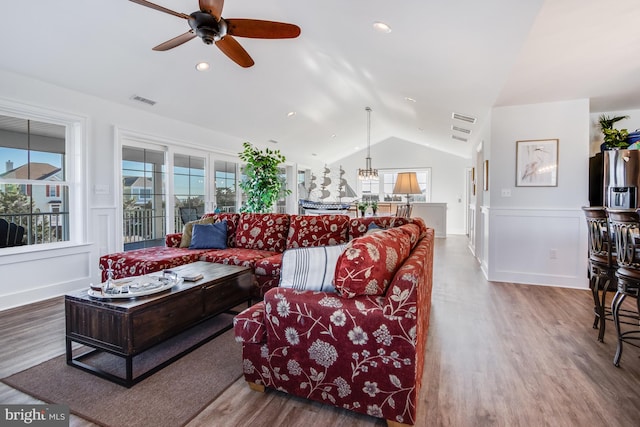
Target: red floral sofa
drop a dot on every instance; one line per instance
(361, 348)
(253, 240)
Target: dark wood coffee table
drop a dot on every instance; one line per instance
(128, 327)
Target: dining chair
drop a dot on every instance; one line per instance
(402, 211)
(188, 215)
(625, 227)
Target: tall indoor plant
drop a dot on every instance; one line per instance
(262, 183)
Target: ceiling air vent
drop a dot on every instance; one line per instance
(459, 129)
(143, 100)
(459, 138)
(464, 118)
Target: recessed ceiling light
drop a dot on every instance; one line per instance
(291, 113)
(273, 141)
(202, 66)
(381, 27)
(333, 135)
(409, 99)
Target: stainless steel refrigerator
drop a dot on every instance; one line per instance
(621, 178)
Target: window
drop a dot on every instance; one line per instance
(281, 203)
(143, 197)
(33, 175)
(189, 183)
(381, 190)
(226, 179)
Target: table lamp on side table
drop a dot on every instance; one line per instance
(407, 183)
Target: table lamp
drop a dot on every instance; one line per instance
(407, 183)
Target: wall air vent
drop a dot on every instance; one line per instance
(459, 138)
(464, 118)
(459, 129)
(143, 100)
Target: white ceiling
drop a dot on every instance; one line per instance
(463, 56)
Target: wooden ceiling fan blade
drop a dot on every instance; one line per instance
(258, 29)
(230, 47)
(213, 7)
(160, 8)
(176, 41)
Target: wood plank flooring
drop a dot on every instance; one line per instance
(498, 354)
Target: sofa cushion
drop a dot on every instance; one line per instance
(359, 226)
(236, 256)
(266, 232)
(310, 269)
(317, 230)
(413, 231)
(209, 236)
(147, 260)
(269, 266)
(187, 230)
(212, 218)
(368, 264)
(172, 240)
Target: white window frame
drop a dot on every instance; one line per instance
(75, 170)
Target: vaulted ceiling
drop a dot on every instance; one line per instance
(441, 57)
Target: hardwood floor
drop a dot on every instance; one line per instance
(498, 354)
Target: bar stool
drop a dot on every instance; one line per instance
(625, 224)
(602, 264)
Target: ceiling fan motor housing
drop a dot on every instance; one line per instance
(207, 27)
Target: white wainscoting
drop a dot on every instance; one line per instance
(538, 246)
(37, 275)
(30, 275)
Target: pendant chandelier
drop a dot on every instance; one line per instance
(368, 173)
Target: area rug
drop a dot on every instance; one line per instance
(171, 397)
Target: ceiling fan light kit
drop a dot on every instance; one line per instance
(208, 24)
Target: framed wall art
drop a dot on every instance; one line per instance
(537, 163)
(485, 171)
(473, 180)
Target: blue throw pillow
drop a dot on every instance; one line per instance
(374, 228)
(209, 236)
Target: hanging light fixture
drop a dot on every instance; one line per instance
(368, 172)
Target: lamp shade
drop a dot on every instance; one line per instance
(407, 183)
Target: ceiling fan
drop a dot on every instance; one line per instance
(208, 24)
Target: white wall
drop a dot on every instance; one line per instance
(29, 275)
(447, 173)
(538, 234)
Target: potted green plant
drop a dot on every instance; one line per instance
(374, 207)
(362, 207)
(613, 138)
(262, 184)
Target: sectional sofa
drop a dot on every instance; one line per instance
(253, 240)
(359, 346)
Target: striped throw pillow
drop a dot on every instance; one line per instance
(310, 268)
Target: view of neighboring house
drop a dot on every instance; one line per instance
(46, 198)
(139, 188)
